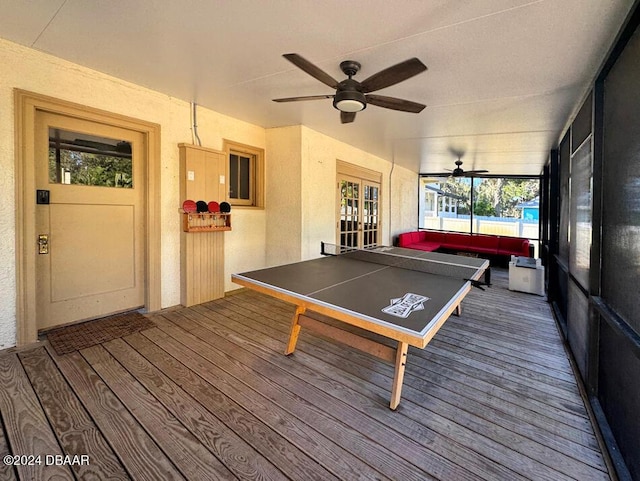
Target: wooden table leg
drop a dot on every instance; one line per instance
(295, 331)
(401, 361)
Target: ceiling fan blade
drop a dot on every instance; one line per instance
(476, 171)
(393, 75)
(394, 103)
(311, 69)
(347, 117)
(309, 97)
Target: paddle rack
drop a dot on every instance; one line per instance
(205, 222)
(202, 177)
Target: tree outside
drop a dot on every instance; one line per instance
(495, 197)
(84, 168)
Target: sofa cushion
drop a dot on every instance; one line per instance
(404, 239)
(485, 244)
(513, 246)
(434, 236)
(426, 246)
(427, 240)
(417, 236)
(457, 241)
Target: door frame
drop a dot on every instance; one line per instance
(362, 174)
(26, 105)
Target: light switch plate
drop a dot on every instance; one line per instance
(191, 175)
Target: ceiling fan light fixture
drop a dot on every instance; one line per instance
(349, 101)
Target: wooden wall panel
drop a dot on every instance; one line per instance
(201, 253)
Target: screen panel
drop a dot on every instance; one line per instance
(563, 230)
(621, 186)
(619, 396)
(580, 216)
(618, 363)
(581, 126)
(578, 326)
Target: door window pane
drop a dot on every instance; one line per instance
(80, 159)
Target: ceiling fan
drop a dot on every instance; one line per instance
(459, 172)
(352, 96)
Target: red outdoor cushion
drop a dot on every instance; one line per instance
(457, 241)
(416, 237)
(484, 244)
(513, 246)
(434, 236)
(426, 246)
(404, 239)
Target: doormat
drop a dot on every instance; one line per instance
(90, 333)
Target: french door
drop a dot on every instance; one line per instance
(358, 223)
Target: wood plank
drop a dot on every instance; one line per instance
(332, 456)
(206, 421)
(217, 372)
(7, 471)
(450, 387)
(553, 366)
(520, 372)
(501, 376)
(74, 428)
(272, 382)
(185, 451)
(258, 317)
(476, 383)
(523, 454)
(139, 454)
(28, 432)
(375, 407)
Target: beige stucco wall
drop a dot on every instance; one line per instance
(319, 156)
(34, 71)
(300, 179)
(284, 186)
(304, 161)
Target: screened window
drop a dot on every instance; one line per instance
(498, 206)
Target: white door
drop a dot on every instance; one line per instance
(89, 220)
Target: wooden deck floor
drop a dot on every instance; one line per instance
(208, 394)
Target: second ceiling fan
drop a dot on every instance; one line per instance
(458, 171)
(352, 96)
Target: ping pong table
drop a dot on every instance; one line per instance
(402, 294)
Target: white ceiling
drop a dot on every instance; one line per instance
(504, 75)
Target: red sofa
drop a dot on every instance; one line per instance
(427, 240)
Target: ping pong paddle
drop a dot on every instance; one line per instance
(225, 207)
(189, 206)
(213, 206)
(202, 207)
